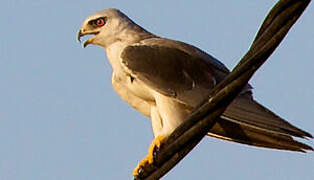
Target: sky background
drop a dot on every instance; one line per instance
(61, 120)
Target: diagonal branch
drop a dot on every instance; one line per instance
(276, 25)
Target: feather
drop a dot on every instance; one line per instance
(246, 121)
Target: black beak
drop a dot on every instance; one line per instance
(83, 33)
(79, 35)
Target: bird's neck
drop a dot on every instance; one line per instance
(127, 34)
(134, 34)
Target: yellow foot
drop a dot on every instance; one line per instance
(149, 159)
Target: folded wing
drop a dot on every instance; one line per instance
(187, 74)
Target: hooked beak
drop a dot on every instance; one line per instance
(82, 33)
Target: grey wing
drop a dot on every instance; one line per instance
(187, 77)
(189, 49)
(170, 71)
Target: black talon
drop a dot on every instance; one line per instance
(140, 171)
(139, 175)
(155, 152)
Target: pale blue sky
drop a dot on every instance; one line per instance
(61, 120)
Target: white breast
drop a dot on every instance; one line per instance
(133, 92)
(165, 113)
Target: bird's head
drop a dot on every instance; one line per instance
(106, 26)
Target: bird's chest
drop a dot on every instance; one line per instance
(124, 83)
(131, 85)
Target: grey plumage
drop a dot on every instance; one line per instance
(166, 79)
(244, 121)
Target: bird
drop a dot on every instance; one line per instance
(166, 80)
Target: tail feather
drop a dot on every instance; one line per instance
(246, 121)
(244, 110)
(231, 131)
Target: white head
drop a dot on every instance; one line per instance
(109, 26)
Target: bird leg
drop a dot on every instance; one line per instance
(148, 161)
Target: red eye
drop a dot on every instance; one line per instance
(100, 22)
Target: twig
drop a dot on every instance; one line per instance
(276, 25)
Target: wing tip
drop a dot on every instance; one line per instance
(258, 137)
(306, 149)
(298, 133)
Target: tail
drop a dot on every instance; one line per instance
(246, 121)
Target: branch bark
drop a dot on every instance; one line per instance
(274, 28)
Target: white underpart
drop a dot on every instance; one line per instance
(171, 112)
(156, 120)
(165, 113)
